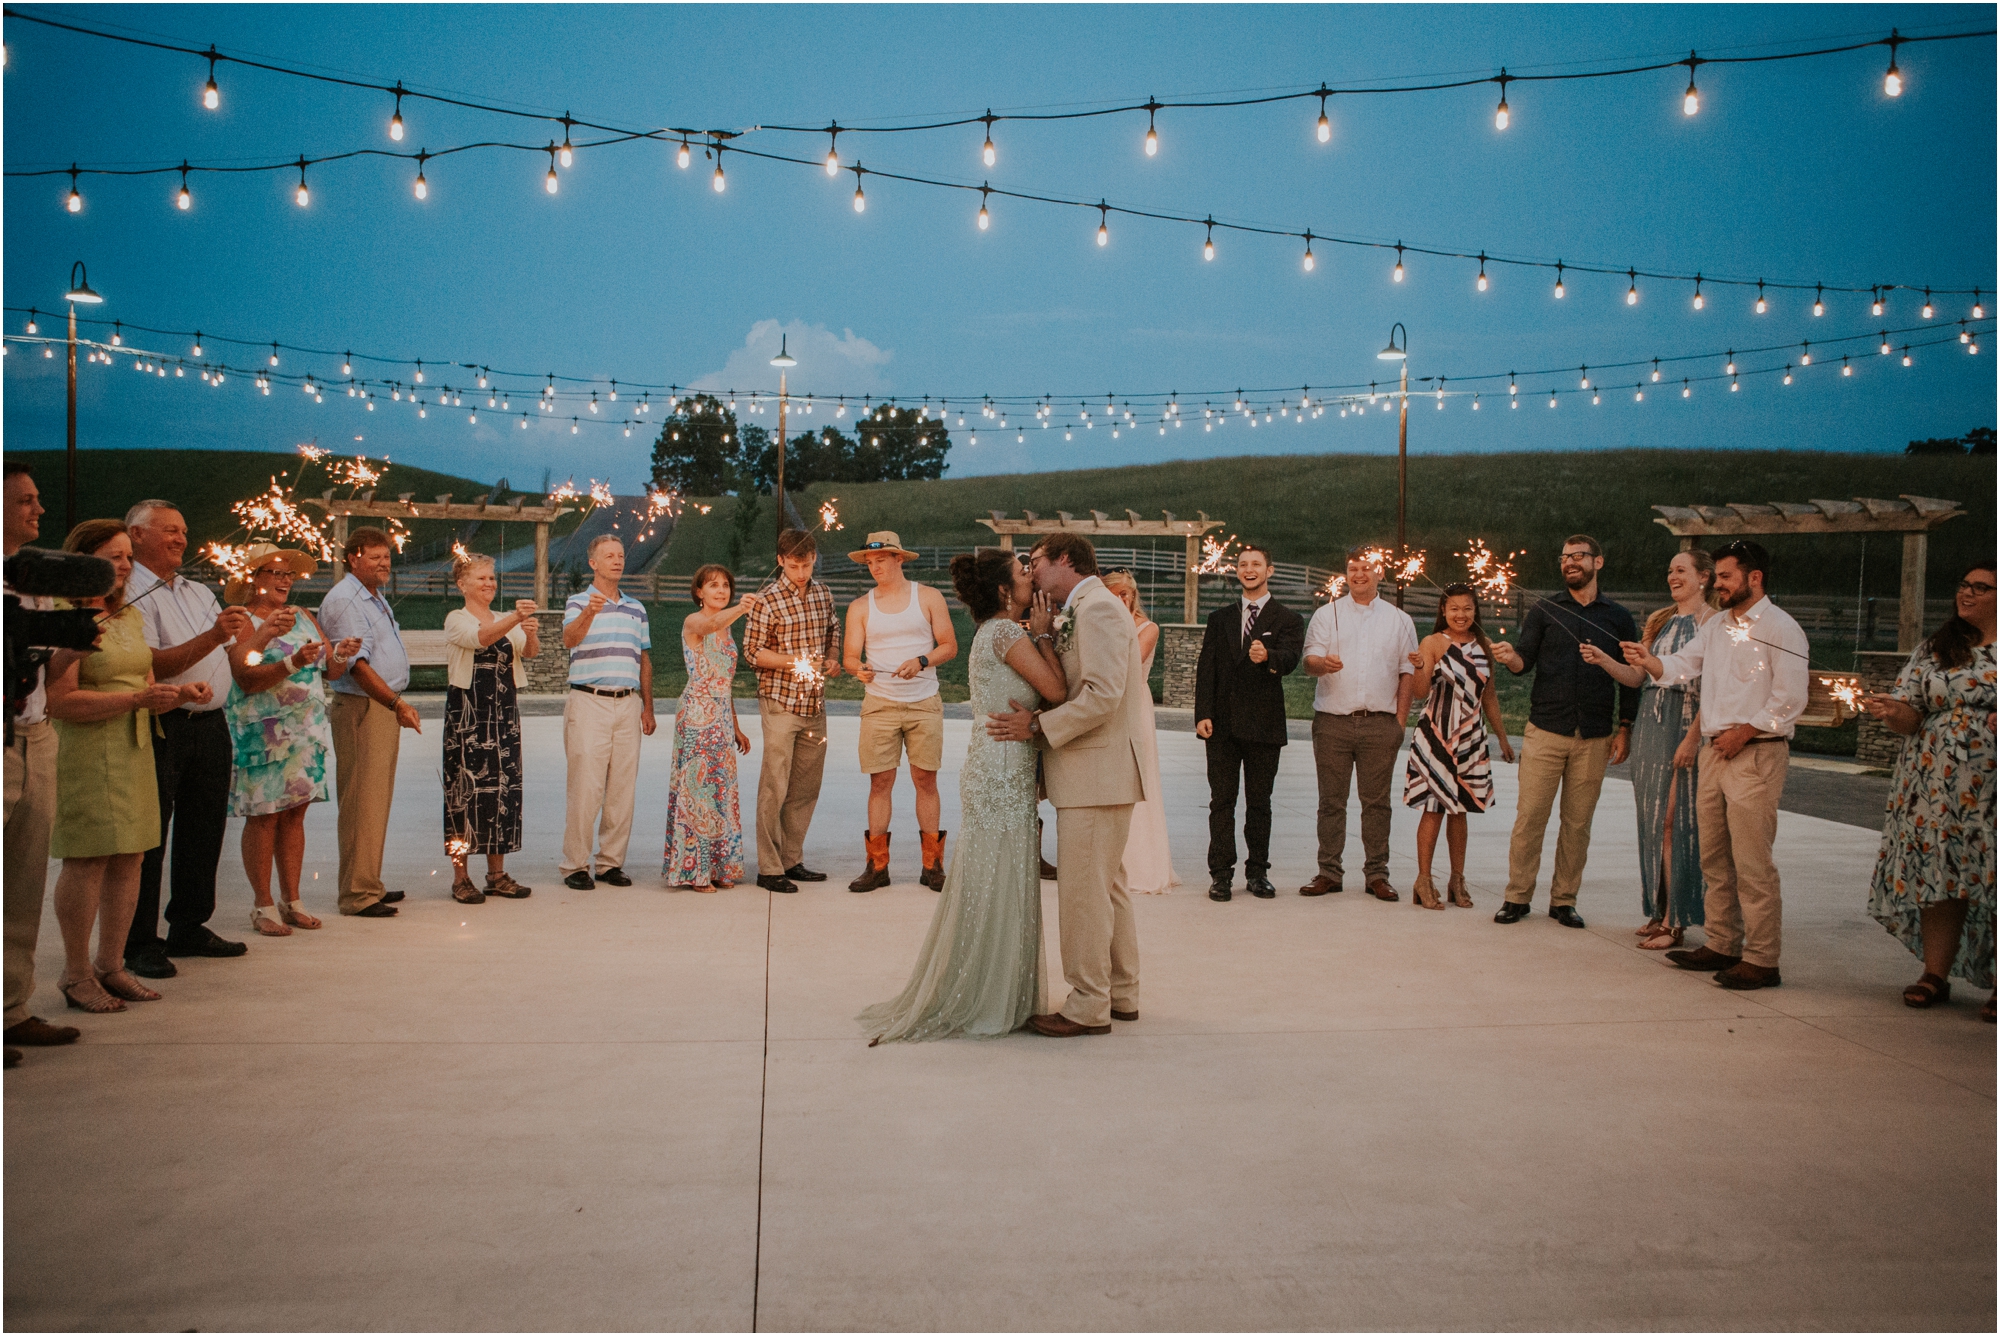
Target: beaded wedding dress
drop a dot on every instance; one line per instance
(979, 972)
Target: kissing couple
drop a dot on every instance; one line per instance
(1058, 677)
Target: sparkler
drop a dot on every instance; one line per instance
(806, 671)
(1410, 569)
(600, 493)
(1739, 632)
(1218, 558)
(459, 552)
(456, 849)
(1490, 576)
(1846, 690)
(356, 472)
(829, 518)
(313, 453)
(566, 492)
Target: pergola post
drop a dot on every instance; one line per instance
(542, 565)
(1191, 589)
(1910, 604)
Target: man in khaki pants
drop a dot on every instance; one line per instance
(610, 708)
(1753, 669)
(1098, 751)
(1571, 734)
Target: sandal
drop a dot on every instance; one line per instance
(121, 982)
(1986, 1012)
(504, 886)
(466, 893)
(1455, 888)
(267, 920)
(296, 916)
(101, 1004)
(1652, 928)
(1927, 991)
(1424, 892)
(1662, 938)
(704, 887)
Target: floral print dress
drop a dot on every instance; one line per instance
(281, 734)
(1937, 843)
(704, 822)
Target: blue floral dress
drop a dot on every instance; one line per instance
(1670, 883)
(704, 822)
(281, 734)
(1937, 843)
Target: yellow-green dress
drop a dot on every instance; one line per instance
(107, 801)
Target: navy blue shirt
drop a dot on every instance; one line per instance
(1570, 696)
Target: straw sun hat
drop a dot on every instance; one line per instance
(883, 540)
(258, 556)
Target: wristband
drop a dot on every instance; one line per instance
(923, 661)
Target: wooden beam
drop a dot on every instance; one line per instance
(1869, 515)
(1910, 603)
(429, 510)
(1191, 589)
(542, 565)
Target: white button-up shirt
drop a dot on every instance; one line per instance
(1374, 641)
(175, 615)
(1752, 667)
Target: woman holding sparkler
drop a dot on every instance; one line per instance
(276, 711)
(1149, 865)
(1933, 887)
(1449, 772)
(704, 822)
(107, 799)
(484, 667)
(1666, 741)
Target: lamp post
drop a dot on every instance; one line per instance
(782, 361)
(1400, 354)
(79, 291)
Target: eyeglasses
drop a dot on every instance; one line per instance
(1974, 587)
(1569, 557)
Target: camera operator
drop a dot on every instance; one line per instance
(31, 803)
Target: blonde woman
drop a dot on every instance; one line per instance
(482, 729)
(1149, 865)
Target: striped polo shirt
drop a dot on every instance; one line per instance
(608, 656)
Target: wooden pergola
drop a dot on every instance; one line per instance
(1911, 516)
(1101, 525)
(365, 506)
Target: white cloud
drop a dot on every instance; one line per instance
(829, 363)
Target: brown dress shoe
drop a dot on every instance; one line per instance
(1059, 1026)
(1118, 1015)
(35, 1032)
(1743, 976)
(1382, 890)
(1320, 885)
(1702, 958)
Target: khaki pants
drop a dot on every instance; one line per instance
(601, 739)
(1551, 761)
(1100, 940)
(366, 738)
(1736, 810)
(31, 818)
(1362, 749)
(787, 785)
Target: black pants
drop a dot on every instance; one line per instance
(192, 764)
(1258, 764)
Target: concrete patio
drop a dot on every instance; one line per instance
(638, 1108)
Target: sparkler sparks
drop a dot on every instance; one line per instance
(806, 671)
(313, 453)
(1410, 569)
(233, 561)
(459, 551)
(1218, 558)
(1846, 690)
(457, 849)
(272, 512)
(566, 492)
(1489, 575)
(356, 472)
(829, 518)
(254, 657)
(600, 493)
(1378, 557)
(1335, 586)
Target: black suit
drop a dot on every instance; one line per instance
(1246, 703)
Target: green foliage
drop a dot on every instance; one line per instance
(742, 527)
(889, 445)
(698, 452)
(1936, 445)
(1979, 441)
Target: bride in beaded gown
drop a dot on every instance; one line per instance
(979, 972)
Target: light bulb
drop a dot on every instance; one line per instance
(1845, 369)
(1208, 249)
(1819, 307)
(986, 152)
(832, 163)
(717, 180)
(1978, 307)
(1309, 259)
(1929, 310)
(1500, 117)
(1892, 82)
(860, 201)
(1397, 272)
(1875, 308)
(565, 154)
(1733, 385)
(1973, 348)
(423, 187)
(1906, 355)
(396, 126)
(211, 96)
(1559, 289)
(1762, 305)
(1324, 129)
(183, 200)
(304, 197)
(1103, 234)
(1632, 293)
(681, 156)
(1885, 343)
(1687, 390)
(197, 348)
(75, 201)
(984, 220)
(549, 182)
(1691, 103)
(1482, 279)
(1699, 300)
(1152, 142)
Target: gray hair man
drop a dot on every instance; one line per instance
(610, 708)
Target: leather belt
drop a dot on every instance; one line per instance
(600, 691)
(1366, 714)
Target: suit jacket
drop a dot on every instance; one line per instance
(1247, 700)
(1098, 748)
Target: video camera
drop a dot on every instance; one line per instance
(32, 635)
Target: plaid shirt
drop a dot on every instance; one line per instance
(793, 623)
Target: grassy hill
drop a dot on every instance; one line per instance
(1309, 507)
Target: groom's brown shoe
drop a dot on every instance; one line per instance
(1059, 1026)
(1118, 1015)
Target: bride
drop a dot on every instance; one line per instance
(980, 970)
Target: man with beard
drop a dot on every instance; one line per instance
(1579, 720)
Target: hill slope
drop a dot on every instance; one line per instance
(1308, 508)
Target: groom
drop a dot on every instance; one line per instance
(1098, 753)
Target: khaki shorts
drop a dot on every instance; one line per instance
(889, 727)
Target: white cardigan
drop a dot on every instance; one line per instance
(461, 642)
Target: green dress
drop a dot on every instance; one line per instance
(107, 801)
(979, 972)
(281, 735)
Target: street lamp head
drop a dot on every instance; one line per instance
(79, 286)
(1396, 351)
(783, 358)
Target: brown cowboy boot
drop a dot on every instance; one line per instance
(933, 874)
(877, 872)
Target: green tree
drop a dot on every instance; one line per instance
(889, 444)
(1936, 445)
(698, 452)
(743, 526)
(1979, 441)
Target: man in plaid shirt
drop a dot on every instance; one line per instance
(794, 618)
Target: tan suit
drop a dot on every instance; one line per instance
(1099, 752)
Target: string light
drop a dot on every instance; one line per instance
(1152, 134)
(550, 183)
(1788, 373)
(1397, 273)
(681, 154)
(1482, 271)
(1845, 369)
(1819, 300)
(1208, 244)
(1691, 100)
(1559, 280)
(719, 181)
(860, 200)
(211, 96)
(984, 220)
(1929, 311)
(303, 196)
(1323, 131)
(566, 153)
(1632, 293)
(1699, 300)
(396, 119)
(183, 200)
(75, 200)
(1309, 251)
(1978, 308)
(1500, 116)
(1805, 353)
(1875, 306)
(1103, 224)
(1892, 82)
(987, 154)
(423, 188)
(1885, 343)
(1762, 306)
(1906, 355)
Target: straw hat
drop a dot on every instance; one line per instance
(883, 540)
(259, 555)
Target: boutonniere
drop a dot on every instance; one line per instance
(1065, 628)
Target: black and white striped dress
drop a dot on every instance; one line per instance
(1449, 770)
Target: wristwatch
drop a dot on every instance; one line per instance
(1034, 722)
(923, 661)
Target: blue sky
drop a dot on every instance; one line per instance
(637, 270)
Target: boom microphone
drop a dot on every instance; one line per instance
(48, 574)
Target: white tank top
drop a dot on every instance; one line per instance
(894, 638)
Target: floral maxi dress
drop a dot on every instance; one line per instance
(704, 821)
(1670, 882)
(1937, 843)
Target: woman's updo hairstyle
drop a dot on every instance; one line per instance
(984, 579)
(466, 565)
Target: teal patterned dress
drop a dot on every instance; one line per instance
(1937, 843)
(1670, 884)
(281, 734)
(979, 971)
(704, 822)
